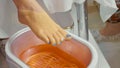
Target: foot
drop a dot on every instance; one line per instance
(110, 29)
(43, 26)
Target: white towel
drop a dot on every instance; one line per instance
(107, 7)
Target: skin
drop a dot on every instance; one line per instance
(110, 29)
(31, 13)
(113, 28)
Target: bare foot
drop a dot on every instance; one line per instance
(110, 29)
(43, 26)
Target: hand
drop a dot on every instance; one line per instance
(43, 26)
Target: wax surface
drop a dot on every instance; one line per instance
(48, 56)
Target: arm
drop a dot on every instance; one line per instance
(32, 14)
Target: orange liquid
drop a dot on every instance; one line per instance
(48, 56)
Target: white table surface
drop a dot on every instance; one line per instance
(102, 63)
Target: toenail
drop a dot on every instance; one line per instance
(68, 35)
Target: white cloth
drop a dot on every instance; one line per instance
(60, 5)
(107, 7)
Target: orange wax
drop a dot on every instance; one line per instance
(48, 56)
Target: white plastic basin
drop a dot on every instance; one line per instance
(24, 39)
